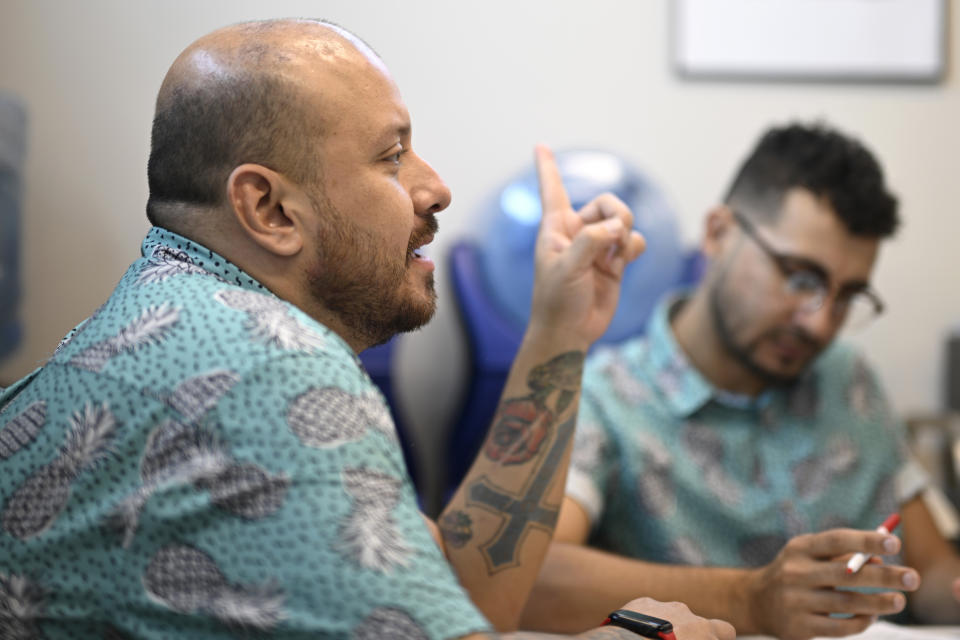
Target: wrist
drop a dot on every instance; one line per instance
(641, 624)
(606, 633)
(747, 602)
(554, 338)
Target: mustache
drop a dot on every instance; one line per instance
(431, 226)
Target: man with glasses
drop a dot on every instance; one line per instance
(739, 439)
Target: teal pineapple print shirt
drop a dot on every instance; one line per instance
(200, 459)
(671, 469)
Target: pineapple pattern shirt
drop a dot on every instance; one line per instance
(671, 469)
(200, 459)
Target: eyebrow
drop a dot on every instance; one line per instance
(855, 285)
(801, 262)
(401, 129)
(387, 139)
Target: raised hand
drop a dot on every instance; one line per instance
(793, 596)
(580, 258)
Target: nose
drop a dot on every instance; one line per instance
(428, 191)
(822, 324)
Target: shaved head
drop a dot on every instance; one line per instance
(247, 93)
(286, 147)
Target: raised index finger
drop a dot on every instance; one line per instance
(553, 196)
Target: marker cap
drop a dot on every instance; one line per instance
(891, 522)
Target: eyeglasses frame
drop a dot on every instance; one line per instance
(784, 263)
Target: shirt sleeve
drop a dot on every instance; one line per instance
(911, 480)
(309, 520)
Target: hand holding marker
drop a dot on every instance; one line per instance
(860, 559)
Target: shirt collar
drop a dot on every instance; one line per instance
(161, 245)
(164, 247)
(683, 388)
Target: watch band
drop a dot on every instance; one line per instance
(641, 624)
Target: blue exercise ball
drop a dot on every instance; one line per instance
(509, 242)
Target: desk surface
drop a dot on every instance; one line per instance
(886, 631)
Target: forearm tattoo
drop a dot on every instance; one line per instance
(456, 527)
(521, 510)
(520, 428)
(521, 425)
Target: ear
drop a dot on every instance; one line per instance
(262, 201)
(717, 230)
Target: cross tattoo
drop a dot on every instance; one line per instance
(522, 510)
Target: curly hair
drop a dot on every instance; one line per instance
(834, 167)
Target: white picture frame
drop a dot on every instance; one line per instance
(866, 40)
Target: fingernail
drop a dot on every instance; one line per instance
(911, 580)
(613, 225)
(899, 602)
(891, 545)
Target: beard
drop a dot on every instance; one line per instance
(365, 288)
(728, 315)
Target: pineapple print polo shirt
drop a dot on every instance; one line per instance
(200, 459)
(671, 469)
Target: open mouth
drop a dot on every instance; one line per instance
(417, 252)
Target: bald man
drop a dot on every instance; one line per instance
(204, 456)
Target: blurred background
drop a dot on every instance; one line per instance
(484, 82)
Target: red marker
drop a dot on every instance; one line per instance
(857, 561)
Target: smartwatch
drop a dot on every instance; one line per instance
(646, 626)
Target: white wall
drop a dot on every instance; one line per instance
(484, 81)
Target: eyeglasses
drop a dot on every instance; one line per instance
(808, 284)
